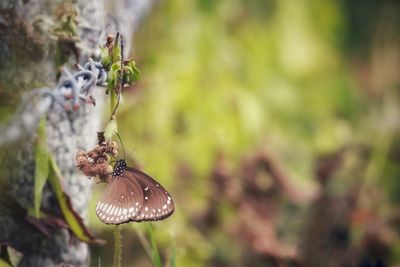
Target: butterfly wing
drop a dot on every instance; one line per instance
(157, 202)
(121, 201)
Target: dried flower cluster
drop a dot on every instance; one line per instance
(95, 162)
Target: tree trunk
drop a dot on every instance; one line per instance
(28, 59)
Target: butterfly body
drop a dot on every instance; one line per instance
(132, 195)
(119, 168)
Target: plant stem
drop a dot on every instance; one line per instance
(115, 99)
(121, 76)
(117, 246)
(113, 105)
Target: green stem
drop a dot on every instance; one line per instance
(116, 96)
(113, 103)
(117, 246)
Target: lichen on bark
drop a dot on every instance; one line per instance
(27, 61)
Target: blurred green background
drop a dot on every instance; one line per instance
(274, 125)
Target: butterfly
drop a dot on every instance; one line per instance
(133, 196)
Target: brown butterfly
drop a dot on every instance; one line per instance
(132, 195)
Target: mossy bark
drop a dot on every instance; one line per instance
(28, 60)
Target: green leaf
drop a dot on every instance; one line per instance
(111, 129)
(116, 54)
(3, 263)
(135, 76)
(105, 58)
(73, 219)
(131, 73)
(115, 68)
(155, 254)
(172, 259)
(41, 165)
(110, 87)
(113, 77)
(5, 260)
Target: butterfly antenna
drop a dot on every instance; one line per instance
(122, 145)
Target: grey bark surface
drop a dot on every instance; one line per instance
(23, 65)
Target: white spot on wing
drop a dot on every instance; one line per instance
(104, 207)
(109, 208)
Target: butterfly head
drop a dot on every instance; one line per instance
(119, 168)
